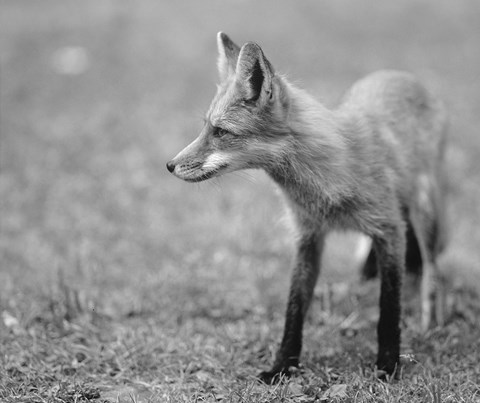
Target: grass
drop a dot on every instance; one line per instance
(121, 283)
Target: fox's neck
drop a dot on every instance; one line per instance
(313, 171)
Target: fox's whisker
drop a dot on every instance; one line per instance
(245, 176)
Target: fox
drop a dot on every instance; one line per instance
(374, 164)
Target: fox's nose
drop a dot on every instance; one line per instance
(170, 166)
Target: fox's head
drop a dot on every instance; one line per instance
(244, 126)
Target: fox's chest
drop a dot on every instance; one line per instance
(319, 204)
(313, 211)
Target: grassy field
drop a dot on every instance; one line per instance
(119, 282)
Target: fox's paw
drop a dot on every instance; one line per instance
(274, 375)
(278, 373)
(387, 368)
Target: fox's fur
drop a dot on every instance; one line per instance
(372, 165)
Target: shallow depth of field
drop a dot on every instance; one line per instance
(121, 283)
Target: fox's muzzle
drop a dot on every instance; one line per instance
(198, 161)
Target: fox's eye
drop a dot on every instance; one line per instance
(219, 132)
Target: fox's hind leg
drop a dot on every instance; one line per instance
(369, 270)
(304, 278)
(413, 258)
(427, 218)
(428, 270)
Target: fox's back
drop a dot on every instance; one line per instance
(400, 110)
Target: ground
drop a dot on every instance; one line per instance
(119, 282)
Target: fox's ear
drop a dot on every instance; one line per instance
(227, 56)
(254, 72)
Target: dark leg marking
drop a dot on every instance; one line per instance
(413, 257)
(303, 282)
(390, 251)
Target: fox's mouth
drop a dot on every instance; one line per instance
(199, 175)
(202, 177)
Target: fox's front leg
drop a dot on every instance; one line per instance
(305, 273)
(390, 251)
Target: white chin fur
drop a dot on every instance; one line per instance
(195, 175)
(215, 161)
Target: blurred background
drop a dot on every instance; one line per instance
(97, 96)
